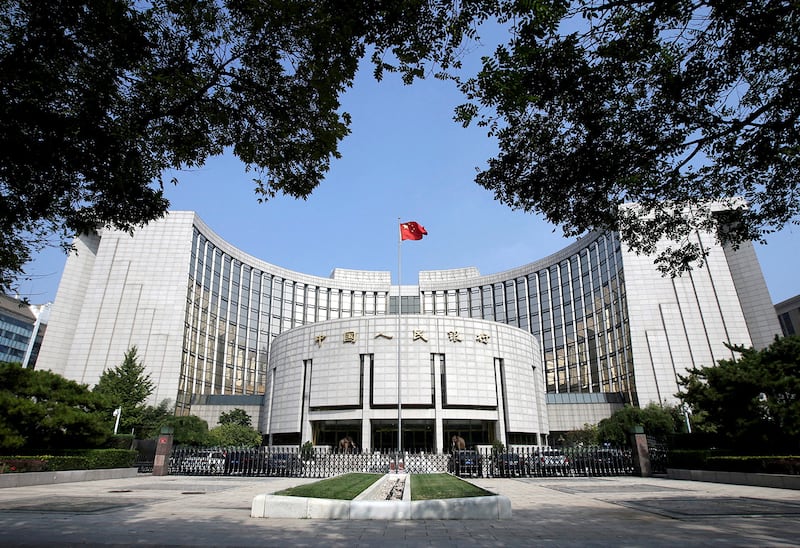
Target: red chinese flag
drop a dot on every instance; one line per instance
(412, 231)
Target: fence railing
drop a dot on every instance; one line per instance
(658, 455)
(482, 462)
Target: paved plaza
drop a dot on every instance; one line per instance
(215, 511)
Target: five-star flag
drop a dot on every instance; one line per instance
(412, 231)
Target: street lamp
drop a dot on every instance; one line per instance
(117, 413)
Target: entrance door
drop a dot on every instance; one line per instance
(330, 432)
(417, 435)
(474, 432)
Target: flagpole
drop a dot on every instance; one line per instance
(399, 312)
(406, 231)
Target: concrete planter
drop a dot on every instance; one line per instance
(278, 506)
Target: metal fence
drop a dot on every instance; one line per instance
(145, 455)
(291, 462)
(480, 462)
(658, 455)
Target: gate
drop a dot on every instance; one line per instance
(482, 462)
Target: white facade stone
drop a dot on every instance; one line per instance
(349, 368)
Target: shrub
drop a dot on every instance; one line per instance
(22, 464)
(66, 462)
(762, 465)
(119, 441)
(104, 458)
(706, 459)
(110, 458)
(89, 459)
(692, 459)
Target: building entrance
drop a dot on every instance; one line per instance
(474, 432)
(331, 432)
(417, 435)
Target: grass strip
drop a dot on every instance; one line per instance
(443, 486)
(344, 487)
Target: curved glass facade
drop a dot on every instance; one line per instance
(575, 306)
(235, 305)
(574, 302)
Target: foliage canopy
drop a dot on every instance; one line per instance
(234, 430)
(100, 98)
(658, 421)
(234, 435)
(188, 430)
(128, 386)
(751, 401)
(670, 104)
(235, 416)
(41, 411)
(579, 437)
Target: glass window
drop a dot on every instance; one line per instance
(452, 302)
(463, 302)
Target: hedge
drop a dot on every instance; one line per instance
(89, 459)
(761, 465)
(707, 459)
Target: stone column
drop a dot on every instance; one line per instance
(163, 452)
(439, 443)
(366, 411)
(641, 453)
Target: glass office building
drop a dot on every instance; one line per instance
(22, 328)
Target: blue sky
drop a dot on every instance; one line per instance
(406, 159)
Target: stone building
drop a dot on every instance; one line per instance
(542, 348)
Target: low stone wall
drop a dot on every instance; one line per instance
(27, 479)
(781, 481)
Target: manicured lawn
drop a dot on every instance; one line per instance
(344, 487)
(442, 486)
(423, 487)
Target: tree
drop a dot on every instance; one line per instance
(152, 418)
(235, 416)
(234, 435)
(127, 386)
(100, 98)
(657, 420)
(188, 430)
(42, 411)
(584, 436)
(667, 104)
(751, 402)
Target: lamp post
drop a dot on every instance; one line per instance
(686, 413)
(117, 413)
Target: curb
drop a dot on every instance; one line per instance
(29, 479)
(779, 481)
(496, 507)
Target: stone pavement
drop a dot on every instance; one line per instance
(215, 511)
